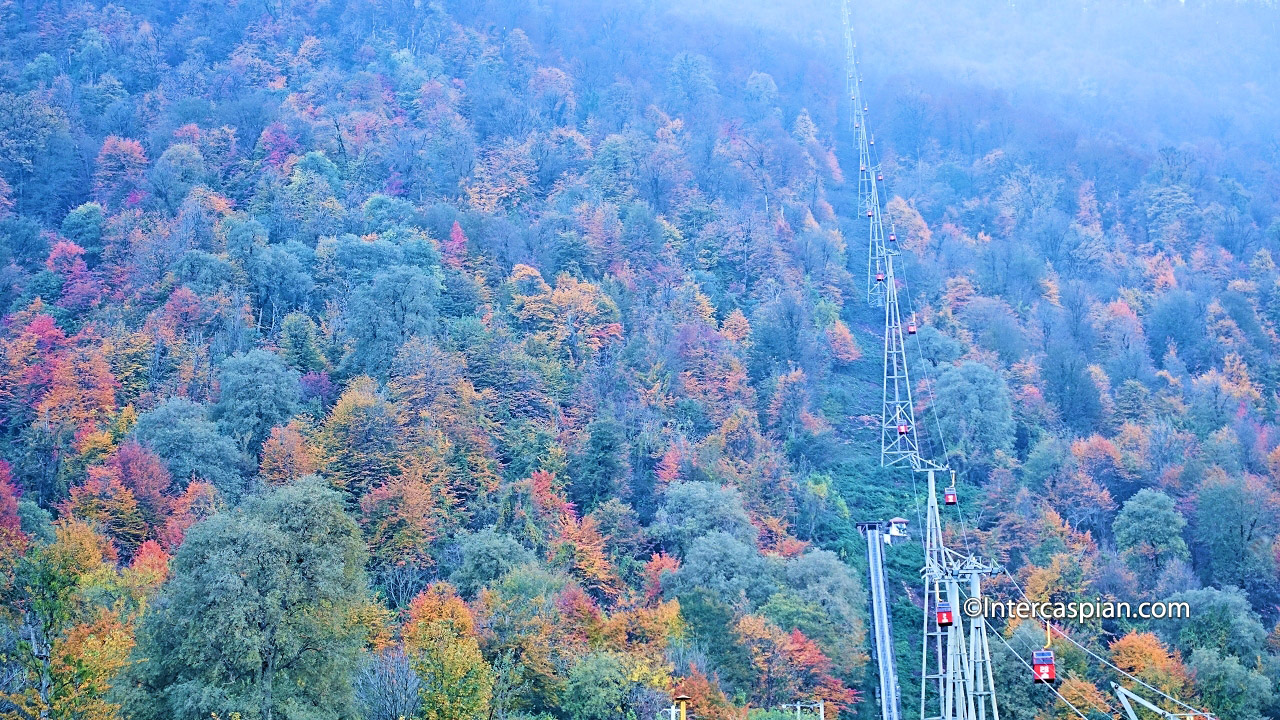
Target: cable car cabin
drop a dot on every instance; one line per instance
(911, 328)
(949, 496)
(880, 177)
(903, 428)
(868, 212)
(862, 168)
(879, 277)
(865, 108)
(1042, 667)
(945, 617)
(893, 237)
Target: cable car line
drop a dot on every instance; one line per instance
(1062, 633)
(963, 678)
(1053, 689)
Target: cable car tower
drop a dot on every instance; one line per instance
(899, 442)
(956, 677)
(868, 190)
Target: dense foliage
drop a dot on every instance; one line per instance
(510, 360)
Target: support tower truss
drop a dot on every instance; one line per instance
(956, 677)
(868, 171)
(899, 441)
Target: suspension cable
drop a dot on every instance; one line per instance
(874, 169)
(1053, 689)
(1100, 658)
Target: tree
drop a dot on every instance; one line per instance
(597, 688)
(1082, 695)
(729, 569)
(257, 617)
(1232, 532)
(600, 471)
(13, 541)
(487, 555)
(286, 455)
(442, 645)
(26, 124)
(690, 83)
(774, 681)
(1148, 532)
(455, 248)
(84, 227)
(257, 392)
(58, 672)
(191, 446)
(104, 502)
(706, 696)
(1143, 655)
(843, 347)
(197, 502)
(121, 171)
(405, 516)
(381, 316)
(1221, 620)
(387, 688)
(504, 177)
(359, 440)
(6, 199)
(973, 407)
(145, 475)
(1069, 387)
(1229, 688)
(300, 344)
(693, 509)
(520, 621)
(179, 168)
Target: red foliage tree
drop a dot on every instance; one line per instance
(199, 501)
(146, 476)
(455, 248)
(121, 171)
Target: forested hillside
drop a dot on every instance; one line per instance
(512, 360)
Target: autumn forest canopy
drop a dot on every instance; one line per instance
(511, 359)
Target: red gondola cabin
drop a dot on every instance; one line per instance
(949, 496)
(945, 618)
(879, 277)
(893, 237)
(1042, 666)
(880, 177)
(903, 428)
(911, 328)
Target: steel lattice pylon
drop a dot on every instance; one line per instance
(868, 172)
(956, 677)
(899, 443)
